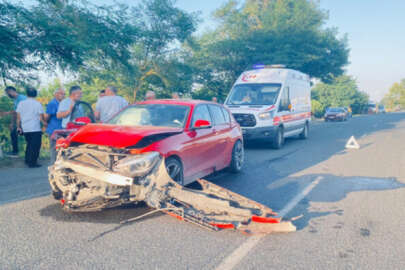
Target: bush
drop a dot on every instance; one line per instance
(317, 108)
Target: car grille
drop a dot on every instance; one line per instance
(245, 119)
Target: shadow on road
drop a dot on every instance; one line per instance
(331, 188)
(108, 216)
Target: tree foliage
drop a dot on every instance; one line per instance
(62, 33)
(289, 32)
(342, 91)
(395, 98)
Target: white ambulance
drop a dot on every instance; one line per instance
(271, 103)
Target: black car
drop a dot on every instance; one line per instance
(336, 114)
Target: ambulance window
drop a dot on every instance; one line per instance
(285, 99)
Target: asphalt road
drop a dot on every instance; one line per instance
(351, 203)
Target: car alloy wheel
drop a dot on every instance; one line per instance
(175, 169)
(238, 157)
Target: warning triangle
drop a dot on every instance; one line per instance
(352, 143)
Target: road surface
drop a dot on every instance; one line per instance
(350, 201)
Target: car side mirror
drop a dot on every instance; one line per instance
(199, 124)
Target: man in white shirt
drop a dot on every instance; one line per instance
(110, 104)
(30, 114)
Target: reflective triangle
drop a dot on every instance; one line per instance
(352, 143)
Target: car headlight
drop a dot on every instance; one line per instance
(265, 116)
(137, 165)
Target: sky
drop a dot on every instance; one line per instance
(375, 30)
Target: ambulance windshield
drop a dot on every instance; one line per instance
(254, 94)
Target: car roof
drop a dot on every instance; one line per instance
(187, 102)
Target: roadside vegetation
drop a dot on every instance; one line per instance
(394, 100)
(154, 46)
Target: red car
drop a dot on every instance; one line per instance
(196, 137)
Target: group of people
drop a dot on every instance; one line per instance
(28, 116)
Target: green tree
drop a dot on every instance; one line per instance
(395, 98)
(342, 91)
(156, 61)
(272, 32)
(62, 33)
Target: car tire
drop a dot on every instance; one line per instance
(238, 157)
(278, 139)
(305, 131)
(175, 169)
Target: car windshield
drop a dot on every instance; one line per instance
(335, 110)
(254, 94)
(160, 115)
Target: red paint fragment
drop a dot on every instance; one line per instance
(223, 226)
(265, 220)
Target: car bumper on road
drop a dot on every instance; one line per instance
(259, 132)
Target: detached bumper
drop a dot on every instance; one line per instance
(259, 132)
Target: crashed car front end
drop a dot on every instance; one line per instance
(91, 178)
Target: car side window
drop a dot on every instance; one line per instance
(201, 113)
(217, 115)
(226, 115)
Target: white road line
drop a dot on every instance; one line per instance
(238, 254)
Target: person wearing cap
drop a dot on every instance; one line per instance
(109, 105)
(30, 114)
(54, 122)
(66, 106)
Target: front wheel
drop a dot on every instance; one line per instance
(278, 139)
(304, 133)
(175, 169)
(238, 157)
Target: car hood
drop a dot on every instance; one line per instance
(118, 136)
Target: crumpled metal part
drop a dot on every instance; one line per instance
(83, 179)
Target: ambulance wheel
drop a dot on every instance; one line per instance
(304, 133)
(278, 139)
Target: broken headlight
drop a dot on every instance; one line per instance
(137, 165)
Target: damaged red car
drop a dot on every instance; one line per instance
(196, 138)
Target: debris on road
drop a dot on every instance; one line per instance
(92, 178)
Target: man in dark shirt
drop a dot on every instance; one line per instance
(53, 122)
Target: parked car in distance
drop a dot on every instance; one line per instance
(336, 114)
(195, 137)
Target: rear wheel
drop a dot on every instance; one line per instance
(278, 139)
(238, 157)
(175, 169)
(304, 133)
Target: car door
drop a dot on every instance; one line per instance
(221, 134)
(199, 149)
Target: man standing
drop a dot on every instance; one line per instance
(109, 105)
(30, 114)
(53, 122)
(66, 106)
(12, 93)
